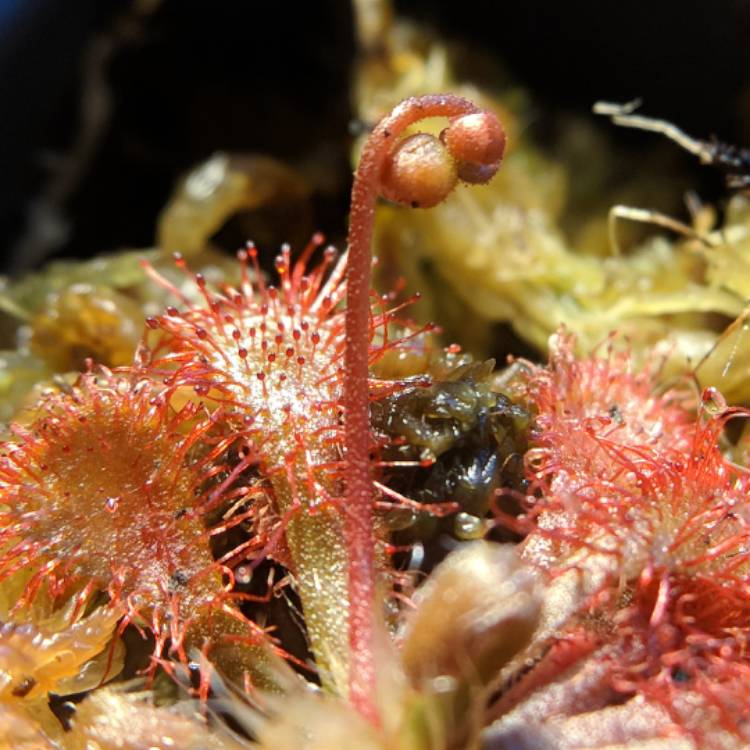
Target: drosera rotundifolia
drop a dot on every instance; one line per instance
(472, 148)
(108, 493)
(290, 368)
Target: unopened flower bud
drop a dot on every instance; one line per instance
(477, 610)
(478, 139)
(419, 172)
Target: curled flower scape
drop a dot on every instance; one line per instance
(245, 412)
(474, 141)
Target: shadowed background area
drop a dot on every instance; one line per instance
(105, 104)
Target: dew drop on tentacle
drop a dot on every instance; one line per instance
(713, 402)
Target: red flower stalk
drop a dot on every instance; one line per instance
(419, 171)
(287, 364)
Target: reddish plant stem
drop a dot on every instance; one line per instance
(360, 531)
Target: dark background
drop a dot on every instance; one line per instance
(194, 76)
